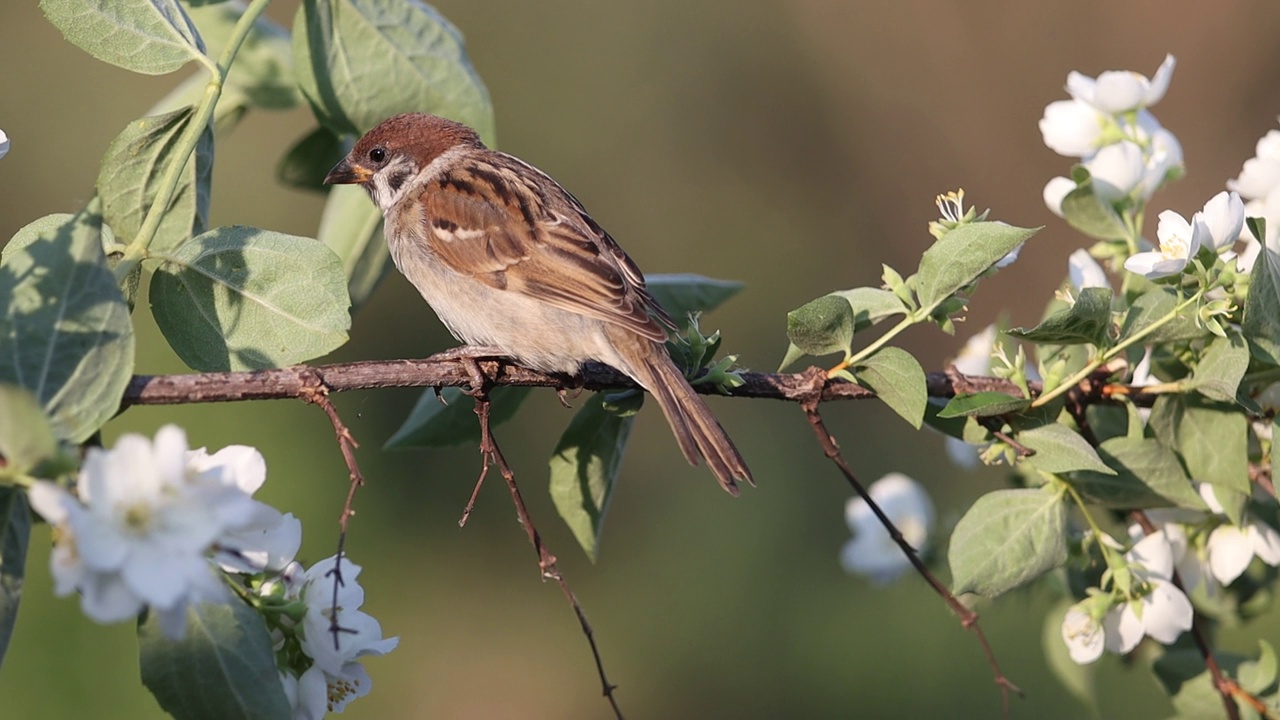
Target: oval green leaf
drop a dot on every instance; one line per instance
(133, 170)
(224, 667)
(242, 298)
(962, 255)
(898, 380)
(152, 37)
(584, 468)
(362, 61)
(65, 326)
(1008, 538)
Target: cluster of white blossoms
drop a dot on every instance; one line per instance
(1107, 125)
(152, 524)
(872, 551)
(1143, 601)
(1129, 155)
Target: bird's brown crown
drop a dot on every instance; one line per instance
(419, 135)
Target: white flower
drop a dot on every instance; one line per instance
(1230, 549)
(1057, 190)
(4, 144)
(1162, 612)
(334, 677)
(1120, 91)
(1223, 218)
(1072, 128)
(974, 359)
(1261, 173)
(1116, 170)
(1085, 272)
(139, 529)
(872, 551)
(1179, 242)
(1083, 636)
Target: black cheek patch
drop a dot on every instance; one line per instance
(397, 179)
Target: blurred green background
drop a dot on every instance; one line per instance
(795, 145)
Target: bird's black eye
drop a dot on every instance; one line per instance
(377, 154)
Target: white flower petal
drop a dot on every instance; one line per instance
(313, 695)
(1122, 628)
(1210, 498)
(1116, 170)
(964, 455)
(1266, 542)
(1152, 265)
(1224, 219)
(4, 144)
(872, 551)
(1055, 191)
(105, 598)
(1230, 551)
(1159, 82)
(1166, 612)
(1155, 553)
(975, 356)
(1085, 272)
(238, 465)
(1071, 128)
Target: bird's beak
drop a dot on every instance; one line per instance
(347, 173)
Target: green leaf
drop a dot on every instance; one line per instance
(1212, 438)
(1154, 305)
(351, 227)
(983, 404)
(362, 61)
(433, 423)
(827, 325)
(1259, 677)
(822, 326)
(1091, 215)
(1146, 474)
(1222, 367)
(133, 170)
(584, 468)
(262, 74)
(15, 536)
(65, 326)
(306, 163)
(223, 668)
(897, 379)
(1086, 321)
(1060, 449)
(241, 298)
(152, 37)
(26, 437)
(681, 294)
(962, 255)
(1008, 538)
(1261, 322)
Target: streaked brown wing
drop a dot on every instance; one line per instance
(497, 223)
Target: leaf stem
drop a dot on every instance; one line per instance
(1115, 350)
(136, 251)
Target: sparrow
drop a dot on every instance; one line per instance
(514, 266)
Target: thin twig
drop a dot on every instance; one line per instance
(491, 453)
(1226, 687)
(316, 393)
(968, 618)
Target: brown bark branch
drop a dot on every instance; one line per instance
(293, 382)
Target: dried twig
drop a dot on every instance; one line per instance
(968, 618)
(492, 454)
